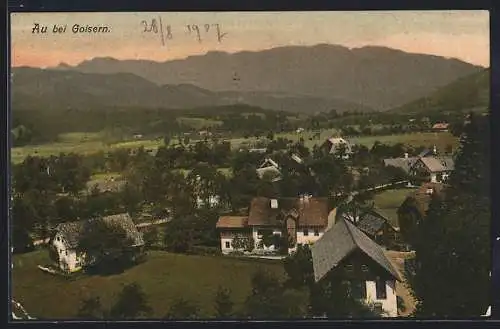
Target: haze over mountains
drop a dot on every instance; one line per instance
(298, 79)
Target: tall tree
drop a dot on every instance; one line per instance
(223, 303)
(131, 303)
(453, 247)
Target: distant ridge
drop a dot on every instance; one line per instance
(376, 77)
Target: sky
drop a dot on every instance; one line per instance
(454, 34)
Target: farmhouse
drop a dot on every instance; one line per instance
(302, 220)
(269, 168)
(273, 170)
(67, 237)
(433, 169)
(335, 145)
(346, 251)
(404, 163)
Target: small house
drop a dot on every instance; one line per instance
(269, 168)
(335, 145)
(433, 169)
(361, 262)
(67, 236)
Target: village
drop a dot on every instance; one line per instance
(250, 166)
(295, 206)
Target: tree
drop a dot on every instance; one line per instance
(453, 258)
(182, 309)
(105, 245)
(270, 300)
(131, 303)
(299, 268)
(91, 309)
(241, 242)
(223, 303)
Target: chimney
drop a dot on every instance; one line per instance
(406, 156)
(429, 191)
(434, 150)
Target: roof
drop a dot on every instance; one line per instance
(232, 222)
(440, 126)
(339, 242)
(72, 232)
(371, 222)
(438, 164)
(403, 163)
(311, 211)
(337, 140)
(269, 163)
(272, 171)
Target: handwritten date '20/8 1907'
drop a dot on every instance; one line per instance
(199, 31)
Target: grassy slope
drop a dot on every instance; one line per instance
(388, 202)
(472, 91)
(163, 277)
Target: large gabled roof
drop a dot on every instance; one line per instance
(73, 232)
(339, 242)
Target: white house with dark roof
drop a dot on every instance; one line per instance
(67, 236)
(361, 262)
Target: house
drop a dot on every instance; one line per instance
(414, 208)
(273, 170)
(334, 145)
(269, 168)
(68, 235)
(361, 262)
(405, 163)
(440, 127)
(434, 169)
(302, 220)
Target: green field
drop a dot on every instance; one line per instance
(441, 140)
(164, 277)
(83, 143)
(198, 123)
(388, 202)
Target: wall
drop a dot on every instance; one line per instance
(228, 236)
(390, 304)
(68, 258)
(310, 238)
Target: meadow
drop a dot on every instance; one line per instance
(387, 203)
(164, 277)
(88, 143)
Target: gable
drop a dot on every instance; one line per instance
(339, 242)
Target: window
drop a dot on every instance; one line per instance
(358, 289)
(364, 268)
(306, 232)
(316, 232)
(381, 289)
(228, 244)
(349, 267)
(378, 308)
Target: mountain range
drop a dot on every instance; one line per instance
(295, 78)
